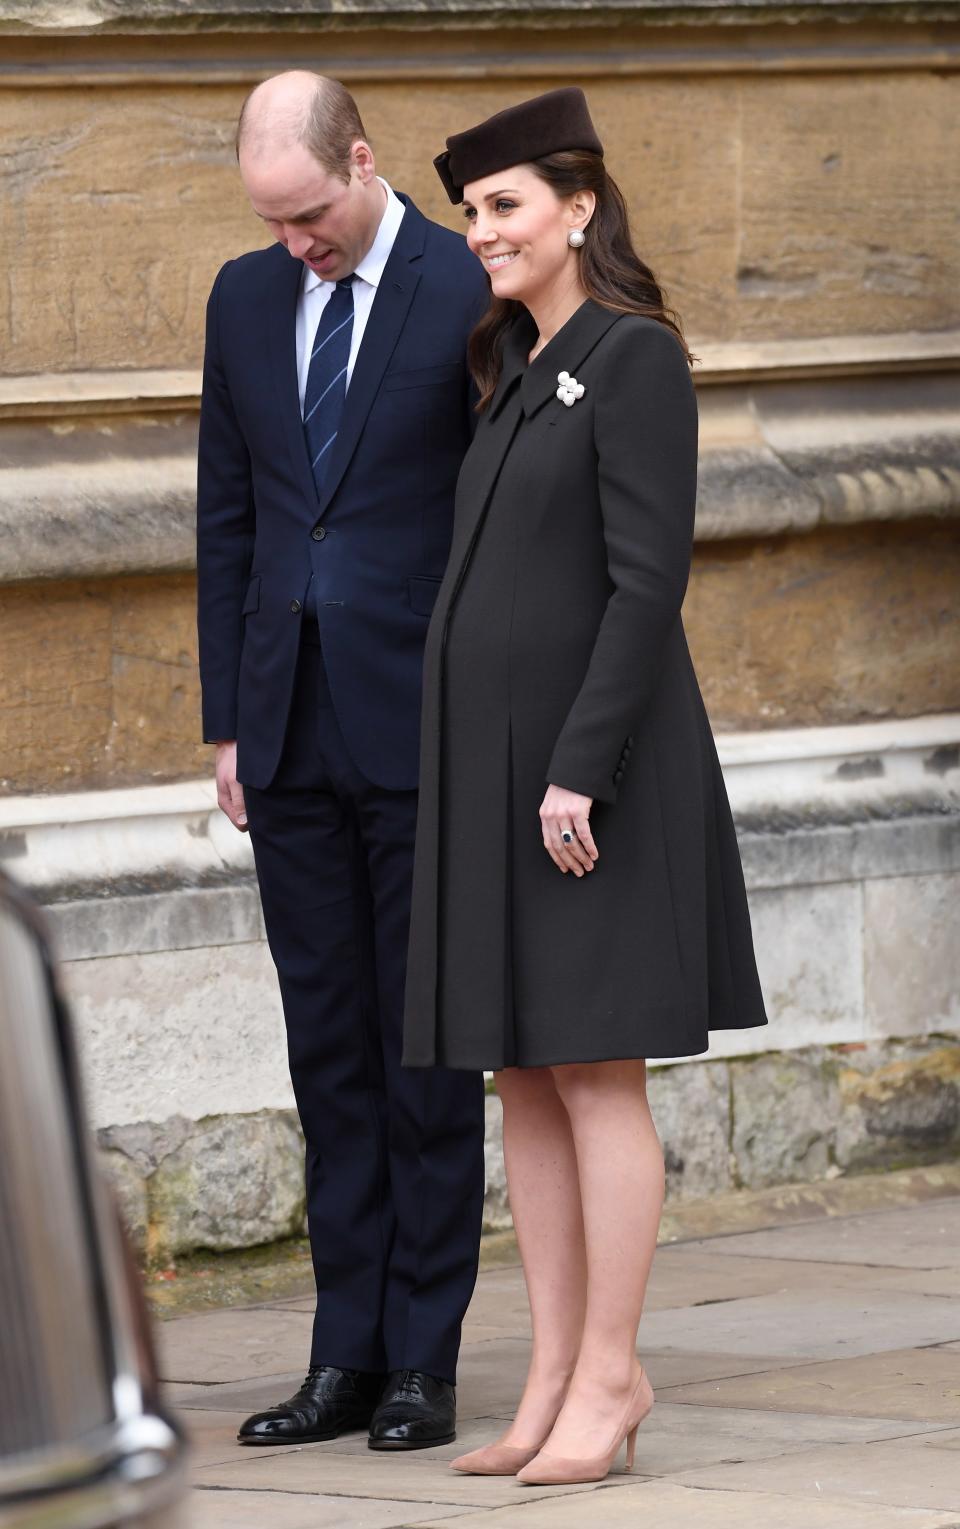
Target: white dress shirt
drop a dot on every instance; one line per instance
(315, 292)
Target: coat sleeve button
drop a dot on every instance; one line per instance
(617, 777)
(296, 607)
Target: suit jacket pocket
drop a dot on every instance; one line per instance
(422, 591)
(251, 601)
(423, 376)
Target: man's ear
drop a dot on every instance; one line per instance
(361, 156)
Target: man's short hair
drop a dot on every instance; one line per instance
(329, 127)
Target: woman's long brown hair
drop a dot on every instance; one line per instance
(611, 271)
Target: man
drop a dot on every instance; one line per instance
(336, 410)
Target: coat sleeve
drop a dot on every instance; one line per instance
(225, 532)
(645, 434)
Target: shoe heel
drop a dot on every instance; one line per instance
(631, 1447)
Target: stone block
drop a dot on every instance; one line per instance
(235, 1182)
(690, 1104)
(784, 1114)
(900, 1103)
(128, 712)
(808, 942)
(187, 919)
(180, 1032)
(496, 1206)
(912, 954)
(127, 1185)
(827, 628)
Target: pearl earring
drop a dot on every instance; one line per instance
(576, 238)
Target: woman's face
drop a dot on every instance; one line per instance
(518, 228)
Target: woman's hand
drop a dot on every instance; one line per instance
(568, 812)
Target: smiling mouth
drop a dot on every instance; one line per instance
(497, 262)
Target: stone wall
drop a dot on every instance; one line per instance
(793, 174)
(236, 1180)
(851, 849)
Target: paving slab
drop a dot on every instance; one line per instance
(471, 1433)
(677, 1436)
(898, 1473)
(217, 1509)
(690, 1274)
(319, 1469)
(242, 1395)
(921, 1237)
(667, 1505)
(913, 1384)
(235, 1345)
(807, 1324)
(667, 1370)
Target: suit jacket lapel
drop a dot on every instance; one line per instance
(281, 316)
(386, 319)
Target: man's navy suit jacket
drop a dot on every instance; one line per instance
(375, 542)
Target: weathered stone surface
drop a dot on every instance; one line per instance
(186, 919)
(777, 166)
(899, 1103)
(838, 626)
(496, 1206)
(235, 1183)
(912, 953)
(180, 1032)
(690, 1104)
(129, 1190)
(810, 962)
(784, 1112)
(105, 686)
(808, 618)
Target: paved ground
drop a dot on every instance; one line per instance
(807, 1377)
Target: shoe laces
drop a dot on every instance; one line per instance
(409, 1384)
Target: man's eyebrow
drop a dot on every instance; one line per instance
(298, 217)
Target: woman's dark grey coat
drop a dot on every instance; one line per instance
(556, 654)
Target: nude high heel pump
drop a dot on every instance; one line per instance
(553, 1470)
(500, 1459)
(496, 1459)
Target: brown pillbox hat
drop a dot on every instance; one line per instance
(546, 125)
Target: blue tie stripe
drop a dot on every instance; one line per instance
(326, 388)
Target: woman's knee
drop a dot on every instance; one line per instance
(524, 1083)
(588, 1084)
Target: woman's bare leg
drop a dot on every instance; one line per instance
(620, 1167)
(544, 1189)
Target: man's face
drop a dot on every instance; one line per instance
(326, 222)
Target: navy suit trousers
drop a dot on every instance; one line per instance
(394, 1155)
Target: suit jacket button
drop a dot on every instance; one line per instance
(296, 607)
(617, 777)
(318, 533)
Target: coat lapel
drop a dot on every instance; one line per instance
(387, 316)
(523, 389)
(567, 351)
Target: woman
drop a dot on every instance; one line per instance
(565, 740)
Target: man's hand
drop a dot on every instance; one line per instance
(567, 812)
(229, 789)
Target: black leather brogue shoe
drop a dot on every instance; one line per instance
(329, 1402)
(414, 1412)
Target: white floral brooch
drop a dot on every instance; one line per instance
(570, 389)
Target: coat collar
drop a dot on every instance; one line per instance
(568, 349)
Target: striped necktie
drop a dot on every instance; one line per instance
(327, 378)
